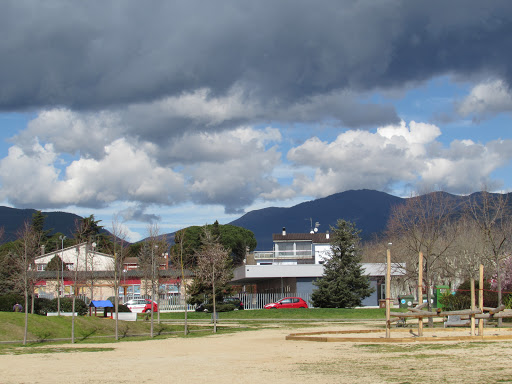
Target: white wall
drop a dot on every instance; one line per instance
(90, 261)
(322, 252)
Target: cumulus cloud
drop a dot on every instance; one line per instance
(25, 179)
(71, 132)
(229, 168)
(125, 173)
(361, 159)
(487, 99)
(173, 112)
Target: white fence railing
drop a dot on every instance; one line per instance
(176, 303)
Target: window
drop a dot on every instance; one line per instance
(304, 249)
(286, 301)
(41, 267)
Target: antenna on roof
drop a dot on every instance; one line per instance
(317, 224)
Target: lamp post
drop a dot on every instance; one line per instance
(62, 238)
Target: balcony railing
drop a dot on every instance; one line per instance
(307, 254)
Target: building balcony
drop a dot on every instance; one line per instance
(283, 255)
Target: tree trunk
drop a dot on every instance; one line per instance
(152, 306)
(116, 308)
(25, 331)
(214, 308)
(186, 314)
(498, 277)
(73, 317)
(58, 292)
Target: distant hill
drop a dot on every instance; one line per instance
(12, 220)
(368, 209)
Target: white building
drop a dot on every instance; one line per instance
(82, 257)
(295, 262)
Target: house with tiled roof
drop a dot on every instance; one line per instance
(295, 262)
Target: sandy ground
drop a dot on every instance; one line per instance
(266, 357)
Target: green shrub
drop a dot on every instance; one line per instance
(490, 297)
(462, 298)
(123, 308)
(8, 300)
(455, 302)
(508, 301)
(222, 307)
(66, 305)
(42, 306)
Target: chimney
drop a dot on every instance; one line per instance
(284, 231)
(327, 234)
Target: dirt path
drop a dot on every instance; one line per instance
(265, 357)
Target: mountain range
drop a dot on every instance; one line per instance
(368, 209)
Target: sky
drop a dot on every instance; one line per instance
(182, 113)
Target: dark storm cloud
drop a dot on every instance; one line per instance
(88, 55)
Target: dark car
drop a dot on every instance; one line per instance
(288, 302)
(227, 304)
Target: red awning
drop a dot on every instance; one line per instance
(130, 281)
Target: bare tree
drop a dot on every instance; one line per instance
(467, 251)
(214, 267)
(82, 228)
(150, 258)
(492, 215)
(27, 249)
(178, 259)
(120, 252)
(423, 224)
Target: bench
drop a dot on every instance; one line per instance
(456, 321)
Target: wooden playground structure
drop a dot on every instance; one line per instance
(475, 314)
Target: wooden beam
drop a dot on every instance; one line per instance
(492, 311)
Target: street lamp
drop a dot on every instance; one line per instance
(62, 238)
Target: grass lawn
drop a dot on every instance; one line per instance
(44, 330)
(87, 329)
(288, 314)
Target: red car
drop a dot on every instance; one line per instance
(141, 305)
(288, 302)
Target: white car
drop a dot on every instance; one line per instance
(141, 305)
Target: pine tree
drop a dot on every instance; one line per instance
(56, 264)
(343, 284)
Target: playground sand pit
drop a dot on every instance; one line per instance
(266, 356)
(403, 335)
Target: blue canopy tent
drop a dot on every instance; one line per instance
(105, 304)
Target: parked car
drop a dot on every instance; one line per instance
(227, 304)
(141, 305)
(288, 302)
